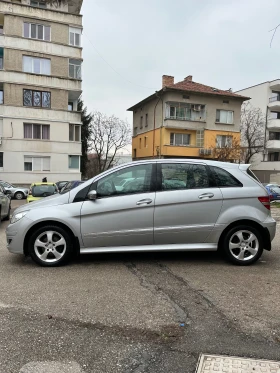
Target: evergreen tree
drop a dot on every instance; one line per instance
(85, 135)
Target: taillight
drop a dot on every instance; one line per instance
(265, 201)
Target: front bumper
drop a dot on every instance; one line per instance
(15, 234)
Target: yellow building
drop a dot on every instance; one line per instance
(186, 120)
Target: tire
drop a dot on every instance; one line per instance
(242, 245)
(19, 195)
(45, 252)
(9, 213)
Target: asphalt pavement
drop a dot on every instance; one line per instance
(139, 313)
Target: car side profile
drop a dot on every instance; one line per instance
(274, 192)
(16, 192)
(169, 205)
(41, 190)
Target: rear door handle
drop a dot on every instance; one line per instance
(206, 196)
(146, 201)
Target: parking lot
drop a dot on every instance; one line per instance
(149, 312)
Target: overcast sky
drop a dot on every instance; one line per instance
(221, 43)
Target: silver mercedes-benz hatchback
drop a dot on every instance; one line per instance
(164, 205)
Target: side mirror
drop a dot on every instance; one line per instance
(92, 195)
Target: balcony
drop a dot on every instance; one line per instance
(40, 80)
(273, 124)
(181, 151)
(274, 103)
(273, 145)
(275, 85)
(186, 124)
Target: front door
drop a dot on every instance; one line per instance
(4, 202)
(122, 214)
(186, 207)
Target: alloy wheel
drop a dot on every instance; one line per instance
(244, 245)
(50, 246)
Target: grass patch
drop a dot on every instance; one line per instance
(275, 204)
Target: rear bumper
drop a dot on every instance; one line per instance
(269, 232)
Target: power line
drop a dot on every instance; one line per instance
(100, 55)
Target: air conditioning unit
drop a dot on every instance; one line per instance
(201, 151)
(196, 107)
(205, 151)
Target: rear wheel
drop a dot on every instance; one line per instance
(243, 245)
(50, 246)
(19, 195)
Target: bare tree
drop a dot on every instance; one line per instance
(108, 136)
(252, 131)
(231, 151)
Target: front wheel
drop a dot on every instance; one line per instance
(19, 195)
(50, 246)
(243, 245)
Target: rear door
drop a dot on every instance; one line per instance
(186, 207)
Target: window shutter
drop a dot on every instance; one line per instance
(46, 164)
(37, 164)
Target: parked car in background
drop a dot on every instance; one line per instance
(41, 190)
(212, 205)
(71, 185)
(16, 192)
(273, 191)
(5, 204)
(61, 184)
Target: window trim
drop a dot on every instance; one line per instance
(41, 131)
(32, 65)
(75, 67)
(40, 107)
(75, 125)
(74, 169)
(217, 121)
(75, 33)
(32, 158)
(182, 134)
(36, 24)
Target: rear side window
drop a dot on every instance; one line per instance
(224, 179)
(251, 173)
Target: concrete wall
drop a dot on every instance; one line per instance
(13, 95)
(259, 95)
(13, 61)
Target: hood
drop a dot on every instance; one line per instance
(54, 200)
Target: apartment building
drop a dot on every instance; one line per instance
(266, 96)
(40, 83)
(185, 119)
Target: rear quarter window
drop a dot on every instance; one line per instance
(224, 179)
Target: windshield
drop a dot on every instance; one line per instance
(43, 190)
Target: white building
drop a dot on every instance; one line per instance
(40, 83)
(266, 96)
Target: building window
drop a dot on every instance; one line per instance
(135, 130)
(274, 115)
(75, 69)
(200, 138)
(140, 143)
(36, 31)
(274, 135)
(1, 97)
(224, 116)
(70, 106)
(75, 36)
(146, 120)
(272, 157)
(38, 4)
(1, 58)
(180, 139)
(74, 132)
(36, 131)
(36, 65)
(145, 141)
(1, 159)
(225, 102)
(141, 122)
(36, 98)
(223, 141)
(74, 162)
(1, 30)
(134, 153)
(37, 163)
(184, 111)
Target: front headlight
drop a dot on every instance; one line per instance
(18, 216)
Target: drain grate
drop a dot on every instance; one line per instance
(228, 364)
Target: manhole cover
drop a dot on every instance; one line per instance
(228, 364)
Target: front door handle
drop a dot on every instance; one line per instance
(206, 196)
(146, 201)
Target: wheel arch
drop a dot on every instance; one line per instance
(264, 232)
(50, 222)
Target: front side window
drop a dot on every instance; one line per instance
(131, 180)
(74, 132)
(180, 139)
(223, 141)
(75, 36)
(74, 162)
(75, 69)
(224, 179)
(36, 131)
(36, 31)
(36, 65)
(37, 163)
(224, 116)
(36, 98)
(183, 176)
